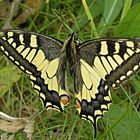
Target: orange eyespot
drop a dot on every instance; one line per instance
(77, 103)
(64, 99)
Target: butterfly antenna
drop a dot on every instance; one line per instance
(84, 26)
(58, 15)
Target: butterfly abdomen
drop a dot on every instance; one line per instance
(71, 53)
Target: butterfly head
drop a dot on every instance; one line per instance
(72, 44)
(75, 38)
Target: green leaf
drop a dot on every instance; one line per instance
(130, 25)
(111, 11)
(128, 127)
(124, 123)
(126, 7)
(135, 83)
(8, 76)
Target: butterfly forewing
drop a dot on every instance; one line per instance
(38, 56)
(115, 60)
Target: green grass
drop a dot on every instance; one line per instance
(58, 19)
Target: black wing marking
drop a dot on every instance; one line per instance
(38, 56)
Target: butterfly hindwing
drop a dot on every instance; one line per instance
(93, 98)
(31, 53)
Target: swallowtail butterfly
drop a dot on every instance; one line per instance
(94, 66)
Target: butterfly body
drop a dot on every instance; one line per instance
(94, 66)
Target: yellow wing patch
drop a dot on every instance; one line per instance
(92, 101)
(53, 96)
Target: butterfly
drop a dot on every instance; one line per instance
(95, 66)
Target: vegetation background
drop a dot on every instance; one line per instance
(57, 18)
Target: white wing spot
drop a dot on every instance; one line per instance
(32, 78)
(42, 96)
(113, 85)
(129, 72)
(106, 87)
(135, 67)
(122, 77)
(98, 112)
(12, 58)
(2, 48)
(118, 81)
(22, 67)
(137, 51)
(106, 98)
(37, 87)
(16, 62)
(103, 106)
(10, 34)
(4, 38)
(6, 53)
(28, 72)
